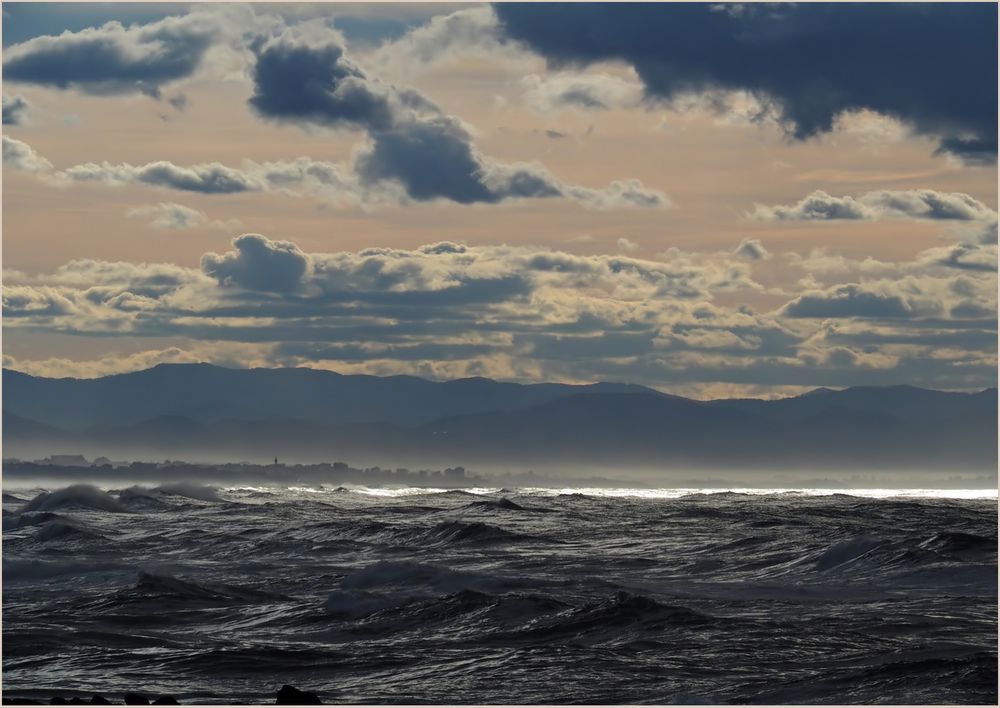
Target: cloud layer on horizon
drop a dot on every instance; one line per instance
(448, 310)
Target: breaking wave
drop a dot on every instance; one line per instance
(83, 496)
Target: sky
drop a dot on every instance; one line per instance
(711, 200)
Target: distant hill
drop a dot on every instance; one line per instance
(207, 393)
(904, 402)
(190, 410)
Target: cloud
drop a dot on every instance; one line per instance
(963, 256)
(211, 178)
(450, 309)
(373, 179)
(391, 170)
(626, 245)
(752, 249)
(170, 216)
(115, 59)
(14, 110)
(20, 157)
(850, 300)
(413, 151)
(811, 62)
(306, 78)
(881, 204)
(919, 295)
(258, 264)
(60, 367)
(590, 91)
(472, 32)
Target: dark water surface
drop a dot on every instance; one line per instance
(499, 596)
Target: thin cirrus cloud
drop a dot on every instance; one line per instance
(170, 216)
(601, 92)
(937, 74)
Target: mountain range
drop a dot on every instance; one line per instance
(192, 410)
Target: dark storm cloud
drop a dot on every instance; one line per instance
(258, 263)
(113, 58)
(751, 249)
(405, 155)
(14, 109)
(319, 84)
(849, 300)
(930, 65)
(413, 143)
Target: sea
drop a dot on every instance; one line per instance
(221, 595)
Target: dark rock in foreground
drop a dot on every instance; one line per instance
(289, 695)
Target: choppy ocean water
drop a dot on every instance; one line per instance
(500, 596)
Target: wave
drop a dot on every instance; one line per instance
(77, 495)
(848, 551)
(616, 614)
(959, 542)
(411, 573)
(504, 504)
(476, 611)
(475, 533)
(188, 490)
(32, 518)
(61, 530)
(142, 499)
(169, 586)
(31, 569)
(355, 604)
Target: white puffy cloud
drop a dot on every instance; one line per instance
(627, 245)
(881, 204)
(20, 157)
(472, 32)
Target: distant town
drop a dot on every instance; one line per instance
(79, 468)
